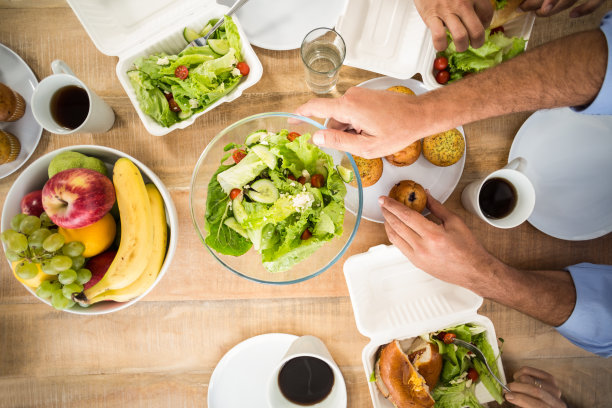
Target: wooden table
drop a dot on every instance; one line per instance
(161, 352)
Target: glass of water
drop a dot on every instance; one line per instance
(323, 52)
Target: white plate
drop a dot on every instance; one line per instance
(17, 75)
(568, 162)
(241, 376)
(282, 25)
(441, 181)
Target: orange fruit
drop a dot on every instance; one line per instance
(96, 237)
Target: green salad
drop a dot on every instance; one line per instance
(281, 195)
(457, 381)
(172, 88)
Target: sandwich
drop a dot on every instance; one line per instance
(405, 375)
(505, 10)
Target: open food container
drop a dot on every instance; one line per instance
(130, 29)
(394, 300)
(390, 38)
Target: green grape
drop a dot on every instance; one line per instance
(45, 290)
(74, 248)
(78, 262)
(45, 220)
(61, 263)
(47, 267)
(37, 238)
(53, 242)
(68, 290)
(67, 277)
(83, 276)
(55, 285)
(29, 224)
(16, 221)
(17, 242)
(59, 301)
(13, 256)
(26, 270)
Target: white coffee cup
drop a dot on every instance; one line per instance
(308, 346)
(100, 117)
(523, 188)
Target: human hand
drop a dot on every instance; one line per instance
(465, 19)
(545, 8)
(380, 122)
(448, 251)
(533, 388)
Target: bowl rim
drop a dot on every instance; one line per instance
(239, 123)
(172, 222)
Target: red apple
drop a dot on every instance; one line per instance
(76, 198)
(98, 265)
(31, 203)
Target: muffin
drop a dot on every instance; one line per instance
(444, 149)
(409, 193)
(370, 171)
(401, 89)
(406, 156)
(12, 105)
(9, 147)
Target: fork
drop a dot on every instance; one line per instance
(202, 41)
(481, 357)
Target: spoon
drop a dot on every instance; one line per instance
(481, 357)
(202, 41)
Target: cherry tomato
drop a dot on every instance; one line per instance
(292, 136)
(181, 72)
(291, 177)
(302, 180)
(234, 193)
(173, 105)
(499, 29)
(317, 180)
(441, 335)
(442, 77)
(238, 155)
(472, 374)
(243, 67)
(448, 338)
(168, 95)
(440, 63)
(306, 234)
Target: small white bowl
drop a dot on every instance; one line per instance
(35, 176)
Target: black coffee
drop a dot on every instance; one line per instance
(306, 380)
(497, 198)
(70, 106)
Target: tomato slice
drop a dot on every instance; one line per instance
(442, 77)
(302, 180)
(306, 234)
(472, 374)
(173, 105)
(448, 338)
(291, 177)
(243, 67)
(292, 136)
(440, 63)
(238, 155)
(181, 72)
(235, 193)
(317, 180)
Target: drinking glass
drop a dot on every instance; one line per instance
(322, 52)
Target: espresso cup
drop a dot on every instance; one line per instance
(498, 210)
(99, 117)
(310, 353)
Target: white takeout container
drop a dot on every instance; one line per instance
(393, 299)
(131, 28)
(390, 38)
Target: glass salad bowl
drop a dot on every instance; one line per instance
(249, 265)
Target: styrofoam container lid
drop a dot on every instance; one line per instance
(389, 37)
(392, 298)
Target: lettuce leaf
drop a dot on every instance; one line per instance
(151, 99)
(489, 382)
(232, 35)
(455, 396)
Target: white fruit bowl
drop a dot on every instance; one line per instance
(34, 178)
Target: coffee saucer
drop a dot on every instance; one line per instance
(241, 377)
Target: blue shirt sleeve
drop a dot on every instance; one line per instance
(590, 324)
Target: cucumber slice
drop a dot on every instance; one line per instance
(263, 191)
(233, 224)
(321, 169)
(219, 46)
(189, 35)
(255, 137)
(205, 30)
(239, 211)
(345, 174)
(265, 155)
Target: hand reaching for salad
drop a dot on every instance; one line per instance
(533, 388)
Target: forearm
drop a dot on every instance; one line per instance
(548, 296)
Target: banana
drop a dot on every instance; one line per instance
(160, 237)
(136, 243)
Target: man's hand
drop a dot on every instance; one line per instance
(465, 19)
(369, 123)
(448, 251)
(533, 388)
(545, 8)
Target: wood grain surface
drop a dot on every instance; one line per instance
(162, 351)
